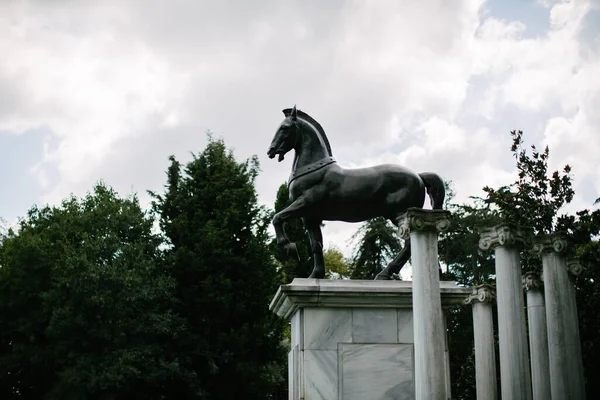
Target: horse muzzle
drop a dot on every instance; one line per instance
(273, 152)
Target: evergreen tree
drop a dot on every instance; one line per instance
(292, 267)
(377, 245)
(85, 304)
(225, 275)
(459, 248)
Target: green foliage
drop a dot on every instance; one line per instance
(292, 267)
(459, 248)
(85, 304)
(3, 228)
(377, 244)
(337, 266)
(535, 198)
(225, 275)
(461, 352)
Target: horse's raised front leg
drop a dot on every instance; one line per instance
(316, 243)
(294, 210)
(396, 264)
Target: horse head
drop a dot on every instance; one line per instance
(285, 137)
(295, 128)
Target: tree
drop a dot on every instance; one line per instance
(85, 304)
(218, 247)
(535, 199)
(377, 244)
(3, 228)
(459, 248)
(338, 267)
(292, 267)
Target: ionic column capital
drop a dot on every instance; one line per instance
(553, 243)
(532, 280)
(481, 294)
(502, 235)
(574, 266)
(418, 219)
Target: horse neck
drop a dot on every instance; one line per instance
(309, 149)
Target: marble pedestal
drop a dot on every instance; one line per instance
(353, 340)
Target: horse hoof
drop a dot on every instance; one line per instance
(383, 277)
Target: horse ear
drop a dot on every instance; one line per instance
(294, 113)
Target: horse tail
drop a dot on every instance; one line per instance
(435, 188)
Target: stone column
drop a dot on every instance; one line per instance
(538, 336)
(483, 329)
(564, 347)
(515, 381)
(422, 226)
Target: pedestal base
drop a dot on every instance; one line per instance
(353, 339)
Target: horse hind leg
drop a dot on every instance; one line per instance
(316, 243)
(396, 264)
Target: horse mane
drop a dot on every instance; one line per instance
(307, 118)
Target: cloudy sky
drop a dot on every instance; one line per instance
(109, 89)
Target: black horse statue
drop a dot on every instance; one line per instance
(321, 190)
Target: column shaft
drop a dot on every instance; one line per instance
(566, 369)
(485, 357)
(538, 345)
(428, 323)
(514, 366)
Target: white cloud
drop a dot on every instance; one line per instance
(557, 77)
(434, 85)
(90, 89)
